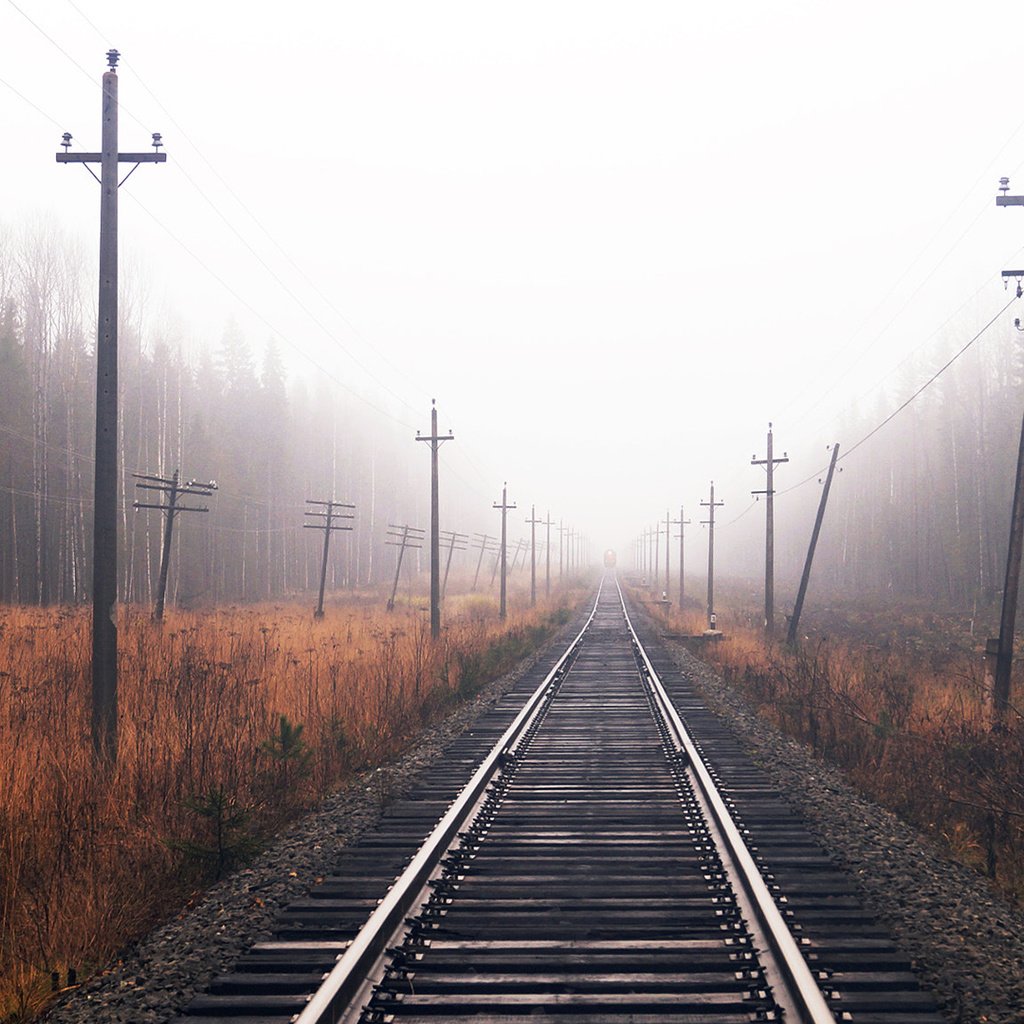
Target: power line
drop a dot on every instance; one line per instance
(46, 35)
(931, 380)
(924, 387)
(277, 245)
(230, 226)
(35, 107)
(266, 323)
(910, 266)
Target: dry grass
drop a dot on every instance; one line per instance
(231, 722)
(906, 717)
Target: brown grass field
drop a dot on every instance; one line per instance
(898, 702)
(232, 721)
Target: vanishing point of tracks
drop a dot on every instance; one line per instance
(613, 857)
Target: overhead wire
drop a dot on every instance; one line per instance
(34, 106)
(910, 266)
(238, 234)
(913, 397)
(270, 237)
(233, 292)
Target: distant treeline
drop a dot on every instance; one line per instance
(921, 510)
(227, 416)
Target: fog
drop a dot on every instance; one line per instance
(613, 241)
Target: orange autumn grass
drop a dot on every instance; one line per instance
(909, 723)
(231, 722)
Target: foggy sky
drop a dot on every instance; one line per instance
(613, 240)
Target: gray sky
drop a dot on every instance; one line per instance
(625, 234)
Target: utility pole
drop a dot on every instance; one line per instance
(402, 537)
(1008, 615)
(435, 440)
(562, 530)
(547, 554)
(329, 526)
(505, 509)
(682, 524)
(520, 547)
(173, 491)
(668, 548)
(484, 540)
(656, 534)
(533, 521)
(794, 622)
(711, 505)
(104, 560)
(769, 538)
(455, 542)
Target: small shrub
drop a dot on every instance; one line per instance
(224, 840)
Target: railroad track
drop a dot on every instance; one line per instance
(613, 857)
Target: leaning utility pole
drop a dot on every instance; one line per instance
(402, 537)
(769, 543)
(435, 440)
(794, 622)
(173, 492)
(104, 559)
(455, 542)
(523, 547)
(505, 509)
(682, 524)
(711, 505)
(484, 540)
(532, 520)
(329, 526)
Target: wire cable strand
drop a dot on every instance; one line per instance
(903, 405)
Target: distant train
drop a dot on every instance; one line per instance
(609, 559)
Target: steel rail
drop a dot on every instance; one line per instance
(349, 974)
(800, 989)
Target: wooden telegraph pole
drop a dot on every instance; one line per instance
(668, 548)
(794, 622)
(402, 537)
(711, 505)
(505, 509)
(173, 491)
(484, 541)
(656, 534)
(455, 542)
(435, 440)
(769, 542)
(104, 560)
(329, 525)
(533, 521)
(1008, 615)
(682, 523)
